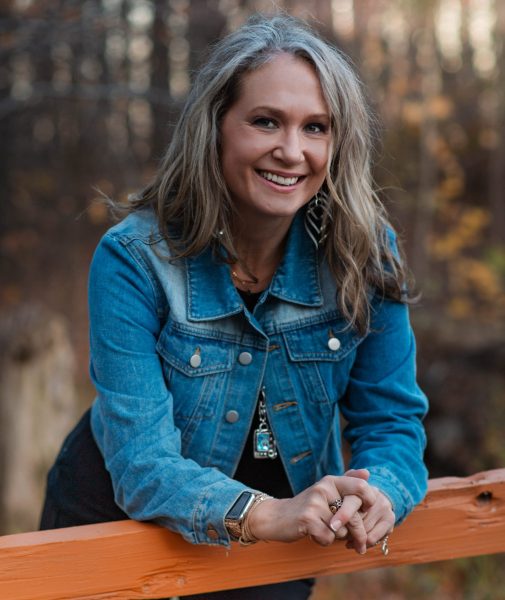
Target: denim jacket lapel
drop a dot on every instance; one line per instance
(211, 294)
(210, 291)
(297, 278)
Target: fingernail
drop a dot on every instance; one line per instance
(362, 550)
(335, 525)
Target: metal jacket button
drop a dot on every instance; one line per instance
(245, 358)
(212, 533)
(334, 344)
(195, 361)
(232, 416)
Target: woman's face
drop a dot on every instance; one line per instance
(276, 140)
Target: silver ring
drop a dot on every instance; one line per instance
(335, 505)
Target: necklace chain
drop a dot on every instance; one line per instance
(249, 282)
(254, 281)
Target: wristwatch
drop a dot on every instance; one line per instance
(235, 517)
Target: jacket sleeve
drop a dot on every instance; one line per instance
(384, 408)
(132, 417)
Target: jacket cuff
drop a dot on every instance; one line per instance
(400, 497)
(211, 509)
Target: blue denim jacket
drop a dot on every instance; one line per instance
(160, 417)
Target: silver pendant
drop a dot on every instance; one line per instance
(264, 441)
(264, 444)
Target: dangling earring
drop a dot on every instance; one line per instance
(317, 217)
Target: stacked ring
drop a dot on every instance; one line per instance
(335, 505)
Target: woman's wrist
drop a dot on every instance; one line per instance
(258, 521)
(236, 519)
(247, 537)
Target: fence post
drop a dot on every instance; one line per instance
(37, 408)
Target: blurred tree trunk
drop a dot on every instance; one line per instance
(430, 87)
(160, 75)
(360, 25)
(497, 166)
(206, 25)
(37, 409)
(103, 106)
(7, 137)
(322, 12)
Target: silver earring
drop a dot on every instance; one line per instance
(317, 217)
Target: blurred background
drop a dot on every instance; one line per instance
(89, 93)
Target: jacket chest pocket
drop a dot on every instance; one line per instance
(195, 368)
(321, 358)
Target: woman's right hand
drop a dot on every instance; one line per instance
(309, 514)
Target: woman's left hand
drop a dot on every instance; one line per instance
(379, 519)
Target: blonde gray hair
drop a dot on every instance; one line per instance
(189, 193)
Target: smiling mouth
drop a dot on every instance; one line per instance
(278, 179)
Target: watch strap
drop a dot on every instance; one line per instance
(235, 516)
(236, 523)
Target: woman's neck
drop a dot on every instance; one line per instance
(260, 250)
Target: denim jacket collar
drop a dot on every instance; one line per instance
(211, 294)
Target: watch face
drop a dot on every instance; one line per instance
(241, 505)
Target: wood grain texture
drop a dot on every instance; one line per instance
(130, 560)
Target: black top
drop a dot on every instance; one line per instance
(264, 474)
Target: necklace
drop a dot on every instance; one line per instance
(264, 442)
(254, 281)
(248, 284)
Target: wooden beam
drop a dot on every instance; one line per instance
(126, 559)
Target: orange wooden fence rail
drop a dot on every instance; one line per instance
(130, 560)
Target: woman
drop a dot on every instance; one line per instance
(253, 294)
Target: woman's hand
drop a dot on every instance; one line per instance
(309, 514)
(379, 519)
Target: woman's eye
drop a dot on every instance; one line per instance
(316, 128)
(264, 122)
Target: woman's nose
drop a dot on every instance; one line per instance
(289, 148)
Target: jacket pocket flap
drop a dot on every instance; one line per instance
(194, 353)
(330, 341)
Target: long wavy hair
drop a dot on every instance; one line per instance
(189, 194)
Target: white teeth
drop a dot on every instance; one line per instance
(278, 179)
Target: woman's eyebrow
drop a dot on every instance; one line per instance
(277, 112)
